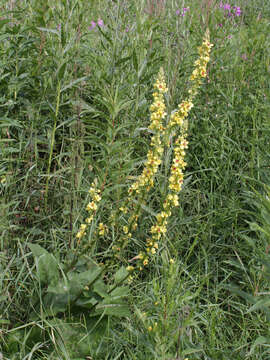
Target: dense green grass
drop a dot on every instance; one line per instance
(74, 107)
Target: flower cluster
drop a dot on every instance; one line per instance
(99, 23)
(146, 179)
(91, 209)
(175, 186)
(102, 229)
(200, 65)
(231, 10)
(177, 121)
(183, 13)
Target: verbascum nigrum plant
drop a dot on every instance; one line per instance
(175, 132)
(91, 208)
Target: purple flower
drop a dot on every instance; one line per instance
(100, 22)
(227, 7)
(237, 10)
(220, 25)
(183, 11)
(93, 25)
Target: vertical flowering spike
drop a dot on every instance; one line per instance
(178, 122)
(200, 64)
(146, 180)
(91, 208)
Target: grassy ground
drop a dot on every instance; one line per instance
(74, 108)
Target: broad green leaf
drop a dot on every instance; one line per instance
(120, 292)
(100, 288)
(77, 282)
(46, 264)
(86, 302)
(121, 275)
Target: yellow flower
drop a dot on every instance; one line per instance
(125, 229)
(89, 219)
(91, 206)
(130, 268)
(102, 229)
(145, 262)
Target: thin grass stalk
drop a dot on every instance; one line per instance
(52, 143)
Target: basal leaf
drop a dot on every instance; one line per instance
(46, 264)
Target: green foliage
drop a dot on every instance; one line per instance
(55, 302)
(79, 287)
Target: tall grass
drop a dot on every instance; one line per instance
(74, 111)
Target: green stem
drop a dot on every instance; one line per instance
(52, 142)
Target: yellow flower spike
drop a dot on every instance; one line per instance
(158, 113)
(178, 123)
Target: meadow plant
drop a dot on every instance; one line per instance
(91, 207)
(175, 131)
(230, 11)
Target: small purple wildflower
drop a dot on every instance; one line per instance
(244, 56)
(93, 25)
(227, 7)
(237, 10)
(220, 25)
(100, 23)
(184, 11)
(229, 36)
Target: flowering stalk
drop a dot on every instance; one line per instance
(91, 209)
(146, 180)
(177, 123)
